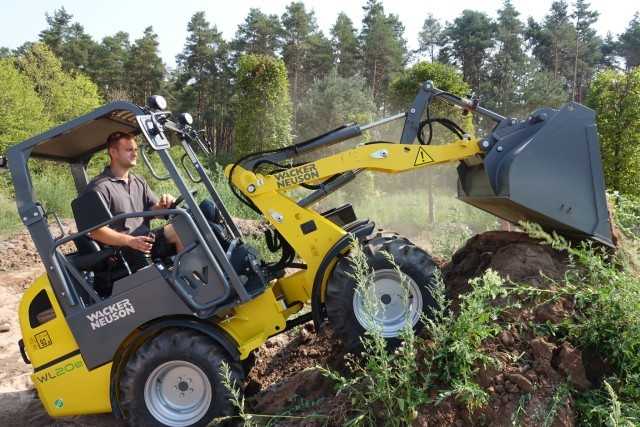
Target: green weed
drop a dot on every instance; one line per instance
(455, 351)
(382, 385)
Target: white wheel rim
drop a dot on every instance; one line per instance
(177, 393)
(397, 301)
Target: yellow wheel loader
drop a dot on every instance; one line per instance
(148, 345)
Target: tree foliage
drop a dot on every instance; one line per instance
(430, 37)
(333, 101)
(201, 84)
(21, 110)
(616, 98)
(144, 68)
(630, 42)
(259, 33)
(471, 36)
(383, 48)
(263, 111)
(64, 95)
(346, 47)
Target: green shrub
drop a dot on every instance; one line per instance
(455, 351)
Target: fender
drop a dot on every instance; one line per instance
(358, 230)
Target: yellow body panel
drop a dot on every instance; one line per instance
(268, 193)
(66, 387)
(255, 321)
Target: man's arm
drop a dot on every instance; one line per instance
(108, 236)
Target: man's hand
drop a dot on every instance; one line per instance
(140, 243)
(165, 202)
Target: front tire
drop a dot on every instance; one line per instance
(175, 380)
(401, 298)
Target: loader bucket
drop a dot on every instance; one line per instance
(546, 170)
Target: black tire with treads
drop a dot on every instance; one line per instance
(412, 261)
(179, 345)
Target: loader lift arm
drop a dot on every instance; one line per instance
(521, 171)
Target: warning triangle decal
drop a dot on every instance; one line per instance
(422, 158)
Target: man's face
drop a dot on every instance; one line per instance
(125, 153)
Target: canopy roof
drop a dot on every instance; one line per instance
(79, 138)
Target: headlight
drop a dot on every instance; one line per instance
(157, 102)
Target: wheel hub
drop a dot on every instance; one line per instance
(390, 301)
(178, 393)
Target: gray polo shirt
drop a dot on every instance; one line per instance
(133, 195)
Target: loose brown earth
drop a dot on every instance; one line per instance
(284, 380)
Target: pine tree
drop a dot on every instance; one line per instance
(69, 41)
(203, 79)
(319, 58)
(630, 43)
(587, 49)
(609, 51)
(384, 48)
(506, 68)
(144, 68)
(346, 47)
(259, 33)
(55, 36)
(553, 42)
(471, 36)
(109, 66)
(430, 37)
(298, 25)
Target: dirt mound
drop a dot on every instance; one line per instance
(515, 256)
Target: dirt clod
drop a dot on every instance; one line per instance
(570, 363)
(521, 381)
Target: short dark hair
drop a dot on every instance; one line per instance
(114, 137)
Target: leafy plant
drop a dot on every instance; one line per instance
(455, 349)
(382, 385)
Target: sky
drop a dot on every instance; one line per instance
(23, 20)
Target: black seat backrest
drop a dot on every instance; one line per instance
(90, 209)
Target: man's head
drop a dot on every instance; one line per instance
(122, 149)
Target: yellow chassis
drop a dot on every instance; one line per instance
(69, 388)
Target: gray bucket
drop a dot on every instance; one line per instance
(546, 170)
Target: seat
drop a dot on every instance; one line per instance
(105, 262)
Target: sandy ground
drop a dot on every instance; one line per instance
(19, 404)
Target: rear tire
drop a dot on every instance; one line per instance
(344, 305)
(175, 379)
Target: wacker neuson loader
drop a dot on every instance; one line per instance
(149, 345)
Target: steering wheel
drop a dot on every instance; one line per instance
(180, 199)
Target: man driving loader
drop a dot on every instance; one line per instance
(125, 192)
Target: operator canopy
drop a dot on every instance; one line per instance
(85, 135)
